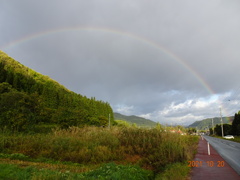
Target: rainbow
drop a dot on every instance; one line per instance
(115, 32)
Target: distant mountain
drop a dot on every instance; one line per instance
(203, 124)
(139, 121)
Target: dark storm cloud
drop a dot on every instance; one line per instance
(128, 65)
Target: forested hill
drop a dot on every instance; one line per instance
(203, 124)
(28, 98)
(139, 121)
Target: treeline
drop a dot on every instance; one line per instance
(228, 129)
(28, 98)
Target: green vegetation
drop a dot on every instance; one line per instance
(93, 146)
(28, 98)
(204, 124)
(121, 123)
(175, 171)
(236, 124)
(228, 129)
(139, 121)
(107, 171)
(50, 132)
(236, 139)
(218, 130)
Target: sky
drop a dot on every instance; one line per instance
(174, 62)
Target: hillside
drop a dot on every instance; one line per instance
(203, 124)
(28, 98)
(139, 121)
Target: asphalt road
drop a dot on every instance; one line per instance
(230, 151)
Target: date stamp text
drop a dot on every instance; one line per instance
(208, 163)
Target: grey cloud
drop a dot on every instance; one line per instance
(128, 70)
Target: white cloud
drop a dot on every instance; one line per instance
(158, 59)
(126, 110)
(187, 112)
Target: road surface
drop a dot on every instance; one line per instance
(230, 151)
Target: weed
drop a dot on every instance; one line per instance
(176, 171)
(149, 148)
(105, 172)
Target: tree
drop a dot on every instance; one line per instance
(191, 130)
(33, 96)
(17, 111)
(159, 126)
(238, 130)
(5, 87)
(227, 129)
(211, 131)
(235, 123)
(218, 130)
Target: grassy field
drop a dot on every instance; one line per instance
(96, 153)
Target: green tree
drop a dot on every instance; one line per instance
(17, 111)
(211, 131)
(159, 126)
(218, 130)
(235, 123)
(5, 87)
(48, 100)
(191, 130)
(238, 130)
(227, 129)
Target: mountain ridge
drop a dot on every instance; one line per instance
(207, 123)
(133, 119)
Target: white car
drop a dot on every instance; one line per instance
(229, 137)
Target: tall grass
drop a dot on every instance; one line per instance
(149, 148)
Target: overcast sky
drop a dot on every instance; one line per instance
(171, 61)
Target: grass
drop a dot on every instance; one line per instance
(175, 171)
(47, 164)
(236, 138)
(90, 147)
(107, 171)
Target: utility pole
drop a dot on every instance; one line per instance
(212, 126)
(221, 120)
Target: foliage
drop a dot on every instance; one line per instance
(122, 123)
(28, 98)
(119, 172)
(236, 124)
(139, 121)
(149, 148)
(18, 156)
(227, 129)
(14, 172)
(206, 123)
(175, 171)
(106, 171)
(18, 110)
(191, 130)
